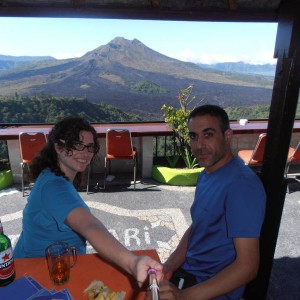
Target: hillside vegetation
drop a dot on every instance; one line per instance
(48, 109)
(253, 112)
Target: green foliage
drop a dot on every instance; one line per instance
(148, 87)
(172, 160)
(3, 154)
(189, 160)
(48, 109)
(254, 112)
(248, 112)
(177, 119)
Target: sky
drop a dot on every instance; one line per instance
(199, 42)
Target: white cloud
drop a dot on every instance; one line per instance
(261, 56)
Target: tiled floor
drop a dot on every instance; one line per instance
(156, 216)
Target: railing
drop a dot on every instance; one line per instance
(153, 139)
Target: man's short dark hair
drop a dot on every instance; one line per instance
(214, 111)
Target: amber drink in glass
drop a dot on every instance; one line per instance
(60, 258)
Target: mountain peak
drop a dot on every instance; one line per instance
(130, 53)
(114, 48)
(122, 41)
(118, 42)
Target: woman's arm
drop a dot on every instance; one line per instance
(87, 225)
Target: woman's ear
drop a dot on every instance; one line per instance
(57, 148)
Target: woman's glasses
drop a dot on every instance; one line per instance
(92, 148)
(80, 147)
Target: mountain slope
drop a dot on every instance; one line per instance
(8, 62)
(243, 68)
(117, 73)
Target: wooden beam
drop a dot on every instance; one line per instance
(233, 4)
(138, 13)
(79, 2)
(281, 120)
(155, 3)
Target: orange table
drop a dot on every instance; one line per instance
(89, 267)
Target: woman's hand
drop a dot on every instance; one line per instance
(141, 266)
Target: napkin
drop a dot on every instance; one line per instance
(27, 288)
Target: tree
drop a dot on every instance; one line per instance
(177, 119)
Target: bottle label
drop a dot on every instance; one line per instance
(6, 264)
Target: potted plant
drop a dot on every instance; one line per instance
(177, 119)
(6, 178)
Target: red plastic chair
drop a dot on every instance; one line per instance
(30, 144)
(254, 157)
(119, 146)
(292, 159)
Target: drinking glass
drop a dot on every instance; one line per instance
(60, 258)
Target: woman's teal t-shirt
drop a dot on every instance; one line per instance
(49, 203)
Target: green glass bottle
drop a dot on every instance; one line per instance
(7, 267)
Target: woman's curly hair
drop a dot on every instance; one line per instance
(65, 134)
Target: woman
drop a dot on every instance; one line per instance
(56, 212)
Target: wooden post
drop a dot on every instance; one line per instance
(281, 121)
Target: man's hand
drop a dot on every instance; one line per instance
(167, 271)
(168, 291)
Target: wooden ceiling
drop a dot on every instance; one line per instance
(205, 10)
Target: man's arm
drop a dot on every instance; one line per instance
(177, 258)
(243, 269)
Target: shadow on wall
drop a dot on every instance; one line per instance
(285, 279)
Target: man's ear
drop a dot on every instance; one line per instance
(228, 135)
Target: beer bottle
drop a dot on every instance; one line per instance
(7, 267)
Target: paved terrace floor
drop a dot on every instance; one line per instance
(156, 216)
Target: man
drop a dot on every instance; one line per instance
(219, 253)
